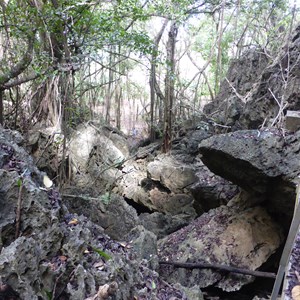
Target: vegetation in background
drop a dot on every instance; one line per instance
(127, 63)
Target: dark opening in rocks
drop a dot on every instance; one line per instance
(140, 209)
(261, 287)
(8, 235)
(148, 184)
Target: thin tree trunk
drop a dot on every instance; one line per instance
(118, 97)
(1, 106)
(110, 87)
(169, 88)
(153, 79)
(219, 55)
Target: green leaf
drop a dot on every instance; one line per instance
(49, 294)
(153, 285)
(102, 253)
(19, 182)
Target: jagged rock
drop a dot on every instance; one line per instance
(173, 174)
(163, 224)
(263, 162)
(194, 137)
(45, 146)
(144, 244)
(111, 148)
(96, 154)
(109, 211)
(57, 254)
(236, 89)
(211, 191)
(278, 85)
(228, 235)
(172, 203)
(193, 292)
(130, 184)
(135, 185)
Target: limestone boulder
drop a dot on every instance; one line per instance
(262, 162)
(109, 211)
(210, 190)
(171, 173)
(228, 235)
(277, 83)
(162, 224)
(112, 148)
(240, 83)
(42, 241)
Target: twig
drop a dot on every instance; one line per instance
(218, 267)
(281, 108)
(235, 91)
(70, 277)
(55, 285)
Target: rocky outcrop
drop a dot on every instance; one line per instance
(230, 235)
(163, 224)
(48, 252)
(264, 163)
(277, 89)
(109, 211)
(172, 174)
(237, 88)
(210, 190)
(96, 154)
(259, 89)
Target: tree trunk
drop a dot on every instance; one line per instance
(153, 82)
(110, 86)
(118, 96)
(1, 106)
(219, 65)
(169, 87)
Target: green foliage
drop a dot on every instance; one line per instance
(87, 27)
(247, 24)
(19, 182)
(49, 294)
(102, 253)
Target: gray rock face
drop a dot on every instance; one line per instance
(163, 224)
(263, 162)
(242, 76)
(279, 82)
(228, 235)
(110, 212)
(145, 244)
(211, 191)
(173, 175)
(53, 244)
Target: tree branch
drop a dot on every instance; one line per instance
(20, 66)
(218, 267)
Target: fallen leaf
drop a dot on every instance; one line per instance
(73, 222)
(98, 265)
(47, 182)
(125, 245)
(62, 257)
(296, 292)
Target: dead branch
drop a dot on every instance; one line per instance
(218, 267)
